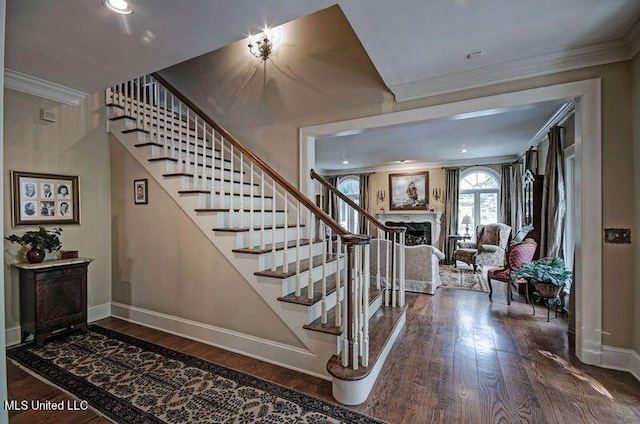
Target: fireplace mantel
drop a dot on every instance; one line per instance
(432, 217)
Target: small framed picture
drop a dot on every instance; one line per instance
(44, 199)
(140, 191)
(409, 191)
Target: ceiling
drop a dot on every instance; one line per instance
(491, 137)
(418, 47)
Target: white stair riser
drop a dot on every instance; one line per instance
(206, 201)
(289, 283)
(199, 183)
(242, 219)
(265, 259)
(245, 239)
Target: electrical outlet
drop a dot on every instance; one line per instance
(617, 235)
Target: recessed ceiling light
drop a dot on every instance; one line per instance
(345, 162)
(118, 6)
(463, 150)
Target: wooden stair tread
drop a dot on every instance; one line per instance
(245, 229)
(207, 155)
(195, 191)
(267, 247)
(226, 180)
(329, 327)
(161, 158)
(247, 210)
(381, 327)
(304, 298)
(132, 130)
(280, 271)
(331, 317)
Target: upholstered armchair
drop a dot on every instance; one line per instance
(422, 265)
(490, 248)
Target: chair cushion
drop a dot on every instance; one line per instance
(501, 274)
(465, 255)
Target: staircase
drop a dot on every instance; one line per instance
(310, 271)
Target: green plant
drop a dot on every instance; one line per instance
(42, 239)
(545, 270)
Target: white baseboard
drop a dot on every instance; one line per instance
(616, 358)
(12, 336)
(98, 312)
(94, 313)
(286, 356)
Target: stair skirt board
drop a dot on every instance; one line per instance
(280, 354)
(354, 392)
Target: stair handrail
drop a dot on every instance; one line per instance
(322, 180)
(346, 236)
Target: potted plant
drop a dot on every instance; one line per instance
(38, 241)
(548, 275)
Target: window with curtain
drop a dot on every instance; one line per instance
(478, 198)
(350, 187)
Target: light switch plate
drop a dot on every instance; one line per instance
(617, 235)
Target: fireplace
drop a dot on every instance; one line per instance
(417, 224)
(417, 232)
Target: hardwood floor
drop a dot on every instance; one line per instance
(460, 359)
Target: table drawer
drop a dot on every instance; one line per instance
(61, 272)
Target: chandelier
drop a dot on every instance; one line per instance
(261, 45)
(263, 48)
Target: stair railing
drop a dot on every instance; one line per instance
(389, 255)
(241, 184)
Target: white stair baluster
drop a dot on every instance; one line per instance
(221, 196)
(298, 282)
(355, 311)
(339, 283)
(323, 286)
(365, 296)
(309, 276)
(273, 225)
(252, 208)
(263, 216)
(387, 272)
(241, 213)
(402, 270)
(378, 277)
(285, 248)
(345, 313)
(231, 188)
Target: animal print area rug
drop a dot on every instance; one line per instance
(462, 277)
(133, 381)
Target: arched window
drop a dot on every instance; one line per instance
(478, 198)
(349, 186)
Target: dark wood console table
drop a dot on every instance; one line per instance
(53, 296)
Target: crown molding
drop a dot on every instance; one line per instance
(418, 166)
(24, 83)
(592, 55)
(632, 38)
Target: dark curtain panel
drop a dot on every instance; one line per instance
(329, 201)
(531, 161)
(553, 198)
(506, 198)
(363, 224)
(452, 184)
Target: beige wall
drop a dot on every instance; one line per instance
(635, 69)
(76, 144)
(322, 75)
(163, 263)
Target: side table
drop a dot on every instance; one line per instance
(453, 238)
(53, 296)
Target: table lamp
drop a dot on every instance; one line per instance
(466, 220)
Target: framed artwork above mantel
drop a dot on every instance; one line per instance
(409, 191)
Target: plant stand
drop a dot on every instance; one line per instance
(550, 294)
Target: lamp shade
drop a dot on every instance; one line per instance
(466, 220)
